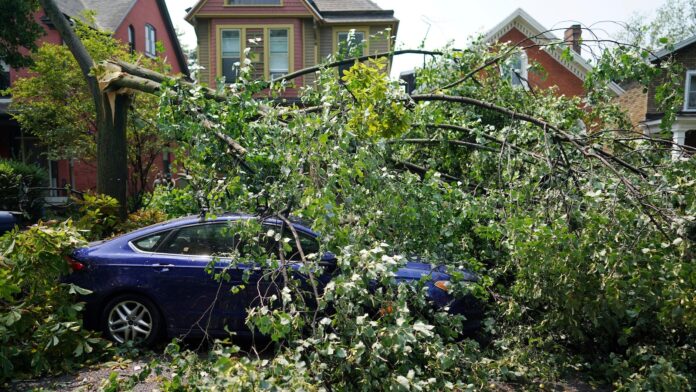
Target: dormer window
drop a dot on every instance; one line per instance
(150, 41)
(351, 43)
(690, 91)
(254, 2)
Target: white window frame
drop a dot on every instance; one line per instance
(523, 74)
(687, 87)
(275, 73)
(150, 40)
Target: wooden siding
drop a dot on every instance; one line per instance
(203, 34)
(309, 47)
(218, 8)
(379, 39)
(325, 43)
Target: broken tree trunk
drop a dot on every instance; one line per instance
(111, 115)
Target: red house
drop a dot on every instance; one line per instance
(140, 23)
(566, 76)
(284, 35)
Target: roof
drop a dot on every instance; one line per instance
(345, 5)
(109, 15)
(334, 11)
(530, 27)
(683, 44)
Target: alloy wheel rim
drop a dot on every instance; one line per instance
(130, 321)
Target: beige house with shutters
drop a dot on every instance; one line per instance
(284, 36)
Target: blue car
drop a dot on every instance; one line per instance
(157, 281)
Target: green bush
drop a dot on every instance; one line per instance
(98, 216)
(40, 320)
(14, 178)
(174, 202)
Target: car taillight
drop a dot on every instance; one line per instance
(74, 264)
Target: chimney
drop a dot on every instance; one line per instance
(573, 37)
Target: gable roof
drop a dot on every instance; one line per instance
(530, 27)
(683, 44)
(333, 11)
(110, 14)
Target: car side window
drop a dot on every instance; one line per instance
(309, 243)
(149, 243)
(204, 240)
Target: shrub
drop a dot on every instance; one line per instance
(40, 321)
(142, 218)
(99, 216)
(173, 202)
(14, 178)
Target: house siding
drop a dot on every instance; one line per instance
(379, 39)
(203, 34)
(634, 101)
(325, 43)
(309, 47)
(147, 12)
(556, 74)
(687, 58)
(218, 8)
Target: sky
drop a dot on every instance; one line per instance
(440, 21)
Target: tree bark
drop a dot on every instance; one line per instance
(111, 116)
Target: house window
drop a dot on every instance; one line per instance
(131, 38)
(254, 2)
(150, 40)
(4, 78)
(351, 43)
(515, 70)
(279, 58)
(231, 54)
(690, 91)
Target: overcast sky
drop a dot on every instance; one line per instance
(457, 20)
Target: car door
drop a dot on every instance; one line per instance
(187, 266)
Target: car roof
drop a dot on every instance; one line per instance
(226, 217)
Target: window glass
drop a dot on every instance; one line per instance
(231, 54)
(150, 39)
(351, 43)
(131, 38)
(149, 243)
(309, 244)
(204, 240)
(279, 57)
(691, 93)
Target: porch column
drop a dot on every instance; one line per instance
(678, 137)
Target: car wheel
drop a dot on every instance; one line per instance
(131, 318)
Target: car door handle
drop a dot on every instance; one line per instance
(162, 267)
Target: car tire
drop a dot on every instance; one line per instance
(131, 318)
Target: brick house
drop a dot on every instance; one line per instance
(284, 35)
(520, 29)
(141, 24)
(645, 105)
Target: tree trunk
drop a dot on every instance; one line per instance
(111, 115)
(112, 149)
